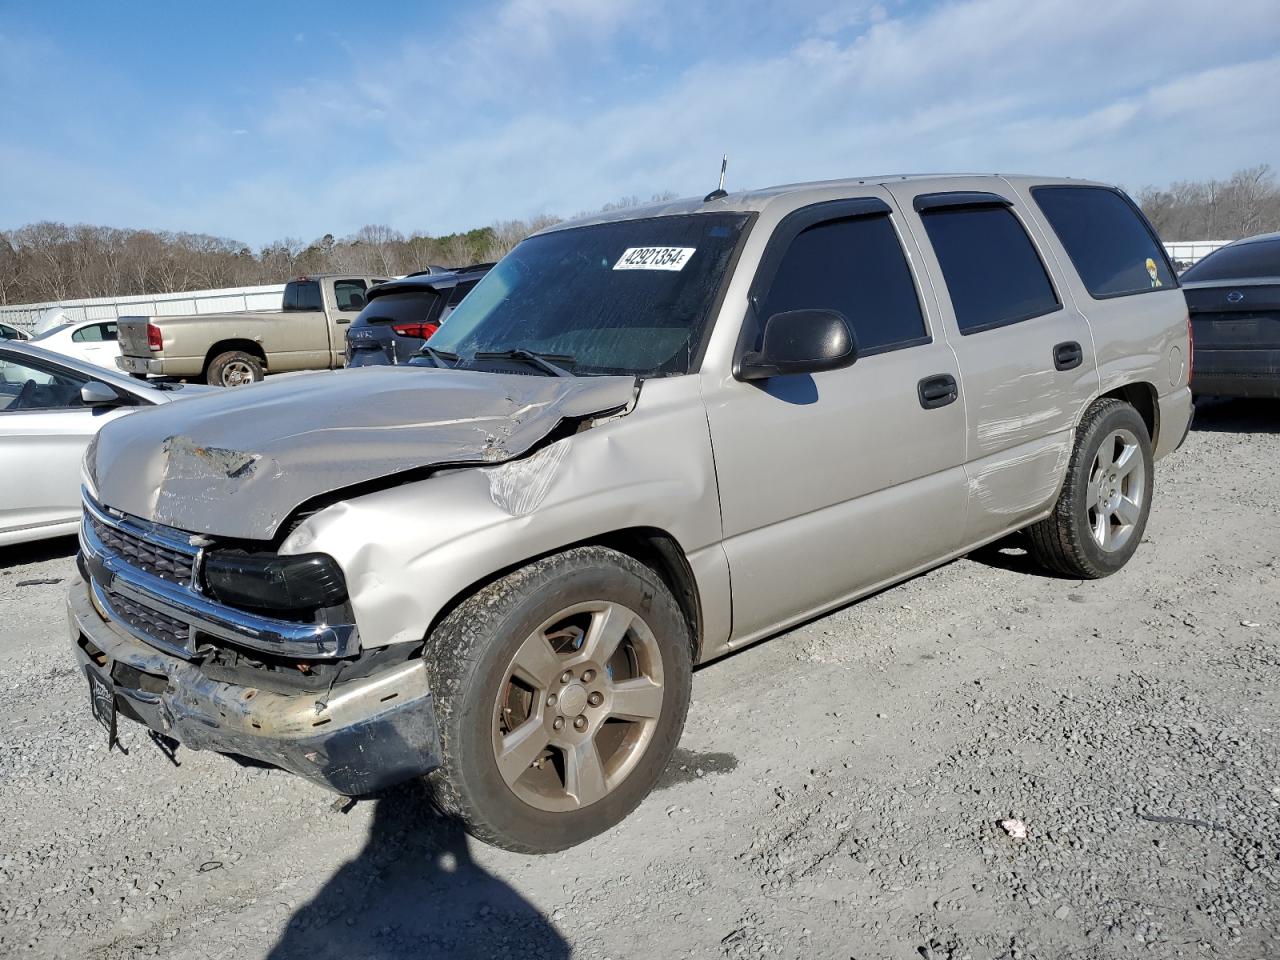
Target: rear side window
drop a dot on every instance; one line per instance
(349, 294)
(1240, 261)
(992, 271)
(302, 295)
(855, 266)
(90, 334)
(1112, 249)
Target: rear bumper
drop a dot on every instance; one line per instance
(141, 365)
(1236, 373)
(362, 736)
(1176, 411)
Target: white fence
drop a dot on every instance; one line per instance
(231, 300)
(1186, 252)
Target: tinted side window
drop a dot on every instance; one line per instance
(92, 334)
(855, 266)
(349, 294)
(993, 273)
(26, 386)
(460, 290)
(1240, 261)
(1111, 248)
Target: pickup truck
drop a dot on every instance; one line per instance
(308, 332)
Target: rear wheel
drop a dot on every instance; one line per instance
(561, 691)
(235, 368)
(1101, 513)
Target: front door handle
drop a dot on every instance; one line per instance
(937, 391)
(1068, 356)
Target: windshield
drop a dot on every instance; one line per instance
(1258, 258)
(631, 297)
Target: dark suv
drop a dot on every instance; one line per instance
(400, 315)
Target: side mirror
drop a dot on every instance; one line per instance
(95, 393)
(801, 341)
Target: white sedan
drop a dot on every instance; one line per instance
(93, 341)
(50, 408)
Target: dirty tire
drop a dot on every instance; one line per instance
(235, 368)
(1063, 542)
(468, 659)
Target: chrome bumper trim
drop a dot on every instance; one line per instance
(181, 602)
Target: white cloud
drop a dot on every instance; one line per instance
(562, 105)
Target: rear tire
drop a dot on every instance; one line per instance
(235, 368)
(1101, 513)
(561, 691)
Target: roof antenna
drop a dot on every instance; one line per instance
(719, 191)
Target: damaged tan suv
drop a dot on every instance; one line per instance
(644, 440)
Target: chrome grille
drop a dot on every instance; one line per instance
(159, 561)
(148, 622)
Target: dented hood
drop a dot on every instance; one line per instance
(239, 463)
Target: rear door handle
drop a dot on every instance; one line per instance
(937, 391)
(1068, 356)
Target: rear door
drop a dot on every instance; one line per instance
(836, 482)
(1024, 348)
(97, 343)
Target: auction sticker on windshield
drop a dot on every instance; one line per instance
(654, 258)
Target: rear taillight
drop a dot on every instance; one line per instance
(154, 340)
(422, 331)
(1191, 349)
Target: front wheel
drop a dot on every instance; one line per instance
(561, 691)
(1101, 513)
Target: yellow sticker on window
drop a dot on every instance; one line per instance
(1153, 273)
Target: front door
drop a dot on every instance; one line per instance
(44, 429)
(833, 483)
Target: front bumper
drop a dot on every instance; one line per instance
(360, 737)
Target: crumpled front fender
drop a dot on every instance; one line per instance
(409, 550)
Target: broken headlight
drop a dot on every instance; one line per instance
(268, 581)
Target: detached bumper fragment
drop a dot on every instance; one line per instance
(364, 735)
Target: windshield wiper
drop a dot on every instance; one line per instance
(441, 358)
(547, 362)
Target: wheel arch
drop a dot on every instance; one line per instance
(1142, 396)
(653, 547)
(235, 343)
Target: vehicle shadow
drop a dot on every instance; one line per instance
(38, 551)
(1010, 553)
(414, 891)
(1237, 416)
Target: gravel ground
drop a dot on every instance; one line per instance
(839, 791)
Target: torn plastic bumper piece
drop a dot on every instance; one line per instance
(360, 737)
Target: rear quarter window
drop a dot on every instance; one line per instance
(993, 273)
(1112, 248)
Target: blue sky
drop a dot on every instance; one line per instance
(266, 120)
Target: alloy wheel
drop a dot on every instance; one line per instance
(578, 707)
(1117, 490)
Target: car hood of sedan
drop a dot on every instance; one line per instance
(238, 464)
